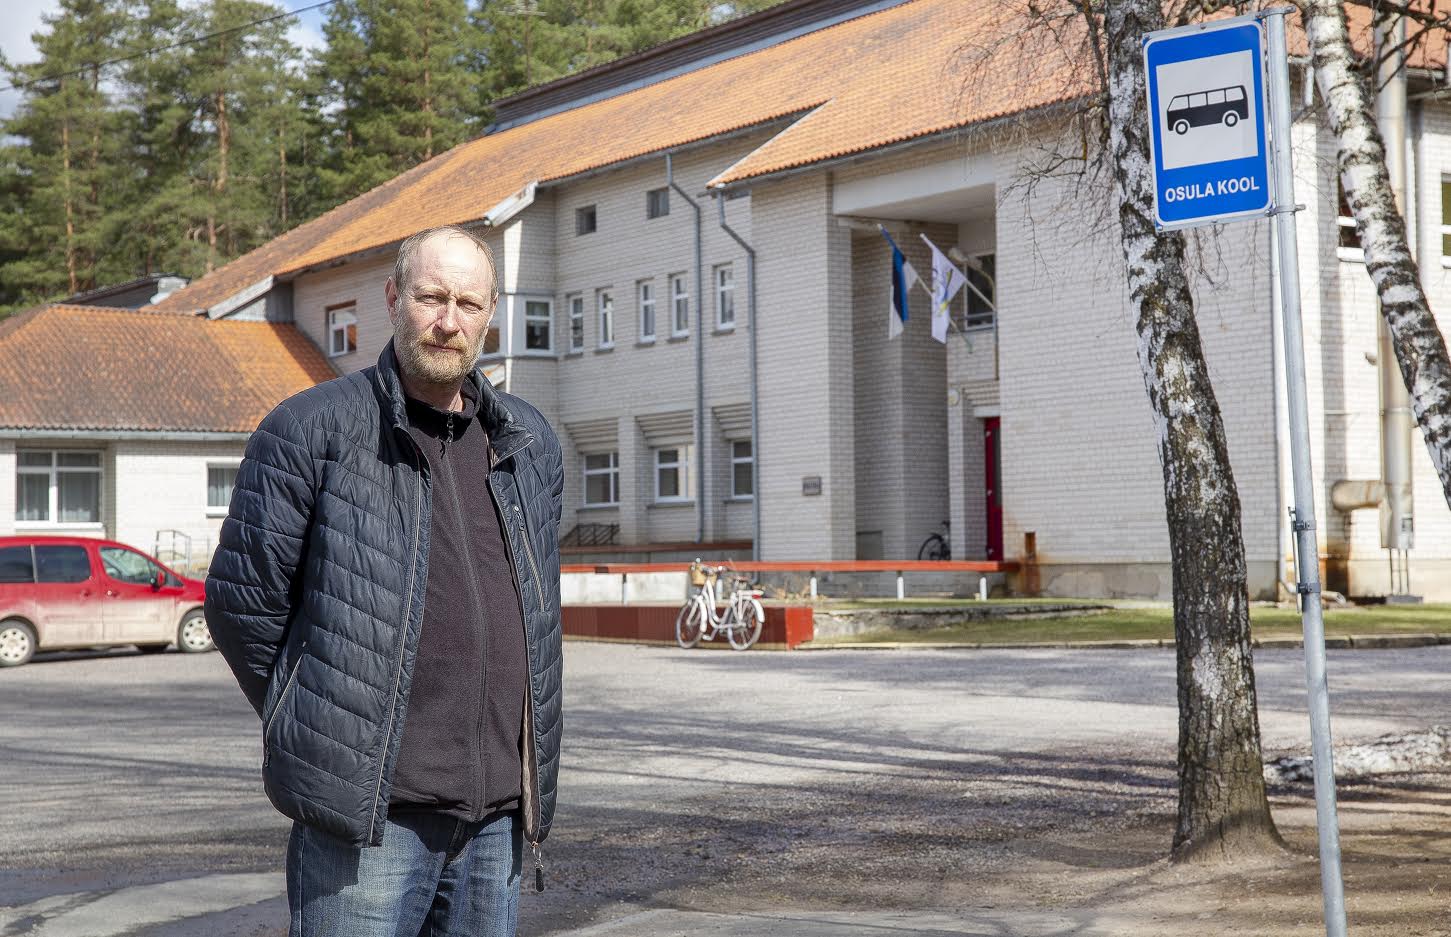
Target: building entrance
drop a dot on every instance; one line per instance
(992, 474)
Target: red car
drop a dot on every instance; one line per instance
(67, 592)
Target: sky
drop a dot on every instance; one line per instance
(23, 17)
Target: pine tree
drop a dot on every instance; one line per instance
(219, 126)
(62, 172)
(398, 85)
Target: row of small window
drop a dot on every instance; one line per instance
(586, 217)
(1349, 237)
(342, 320)
(722, 276)
(673, 481)
(64, 486)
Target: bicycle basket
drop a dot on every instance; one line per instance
(697, 575)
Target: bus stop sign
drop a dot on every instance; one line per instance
(1207, 122)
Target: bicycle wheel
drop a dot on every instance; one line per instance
(688, 624)
(929, 547)
(745, 626)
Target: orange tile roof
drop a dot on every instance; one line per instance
(98, 368)
(902, 73)
(914, 45)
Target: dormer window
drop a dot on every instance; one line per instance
(342, 329)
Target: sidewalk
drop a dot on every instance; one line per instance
(986, 923)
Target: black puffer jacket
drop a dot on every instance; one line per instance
(315, 594)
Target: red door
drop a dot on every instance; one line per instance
(993, 473)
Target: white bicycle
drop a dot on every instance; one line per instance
(741, 619)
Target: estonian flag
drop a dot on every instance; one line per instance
(903, 276)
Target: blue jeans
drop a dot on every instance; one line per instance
(433, 876)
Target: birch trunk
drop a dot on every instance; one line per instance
(1222, 806)
(1420, 348)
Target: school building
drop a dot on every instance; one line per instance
(696, 291)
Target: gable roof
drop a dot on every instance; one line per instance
(99, 368)
(907, 72)
(889, 75)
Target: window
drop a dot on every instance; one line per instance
(342, 329)
(743, 470)
(538, 324)
(1349, 238)
(61, 564)
(657, 203)
(576, 323)
(125, 565)
(602, 479)
(584, 220)
(16, 565)
(493, 340)
(607, 320)
(58, 487)
(1445, 218)
(982, 291)
(679, 306)
(725, 297)
(220, 481)
(647, 310)
(672, 474)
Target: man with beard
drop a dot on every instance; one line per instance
(386, 590)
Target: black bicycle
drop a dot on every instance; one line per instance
(936, 546)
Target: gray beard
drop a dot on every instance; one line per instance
(437, 370)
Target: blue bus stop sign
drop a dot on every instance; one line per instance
(1207, 122)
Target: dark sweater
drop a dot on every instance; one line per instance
(461, 752)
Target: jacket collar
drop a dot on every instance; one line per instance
(506, 434)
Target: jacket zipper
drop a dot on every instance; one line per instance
(529, 552)
(402, 637)
(281, 698)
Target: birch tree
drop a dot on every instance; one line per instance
(1102, 145)
(1361, 159)
(1222, 805)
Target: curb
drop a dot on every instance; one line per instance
(1341, 642)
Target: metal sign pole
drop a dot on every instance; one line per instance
(1307, 553)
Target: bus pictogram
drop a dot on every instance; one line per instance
(1227, 106)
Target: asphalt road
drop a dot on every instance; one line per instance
(709, 781)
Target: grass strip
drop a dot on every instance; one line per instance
(1130, 624)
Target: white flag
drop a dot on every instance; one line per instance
(946, 281)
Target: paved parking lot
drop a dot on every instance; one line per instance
(699, 789)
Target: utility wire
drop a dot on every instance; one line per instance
(155, 49)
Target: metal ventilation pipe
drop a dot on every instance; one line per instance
(1397, 423)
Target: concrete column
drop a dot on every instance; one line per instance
(808, 431)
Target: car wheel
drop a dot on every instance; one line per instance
(1181, 127)
(192, 635)
(17, 643)
(151, 648)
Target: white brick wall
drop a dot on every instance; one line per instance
(807, 336)
(360, 282)
(146, 486)
(894, 452)
(163, 486)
